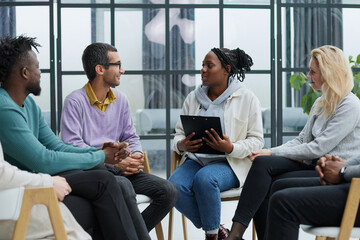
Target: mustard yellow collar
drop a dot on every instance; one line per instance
(110, 98)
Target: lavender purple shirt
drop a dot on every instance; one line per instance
(84, 125)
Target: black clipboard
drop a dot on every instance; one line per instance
(199, 124)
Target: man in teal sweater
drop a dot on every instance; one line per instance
(30, 144)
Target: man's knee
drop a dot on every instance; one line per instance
(278, 185)
(165, 191)
(168, 190)
(126, 186)
(101, 175)
(282, 200)
(171, 191)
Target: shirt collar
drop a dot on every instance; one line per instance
(110, 98)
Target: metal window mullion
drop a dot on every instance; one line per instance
(112, 23)
(59, 66)
(273, 76)
(277, 113)
(329, 23)
(53, 122)
(167, 88)
(221, 23)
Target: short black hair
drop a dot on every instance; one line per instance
(14, 50)
(239, 61)
(96, 54)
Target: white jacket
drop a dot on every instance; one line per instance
(39, 223)
(243, 125)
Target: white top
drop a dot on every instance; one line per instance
(39, 223)
(243, 125)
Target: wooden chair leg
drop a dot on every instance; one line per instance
(253, 231)
(44, 196)
(184, 226)
(159, 232)
(320, 238)
(21, 224)
(170, 224)
(350, 211)
(56, 219)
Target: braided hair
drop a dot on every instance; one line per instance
(238, 60)
(14, 50)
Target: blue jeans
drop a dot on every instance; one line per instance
(199, 191)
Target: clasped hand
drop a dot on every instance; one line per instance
(328, 168)
(131, 164)
(115, 151)
(213, 140)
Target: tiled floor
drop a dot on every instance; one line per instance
(228, 209)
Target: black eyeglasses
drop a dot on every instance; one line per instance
(114, 64)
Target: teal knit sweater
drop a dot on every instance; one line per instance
(29, 143)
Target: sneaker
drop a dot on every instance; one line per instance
(211, 237)
(223, 232)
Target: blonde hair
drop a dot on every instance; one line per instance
(336, 75)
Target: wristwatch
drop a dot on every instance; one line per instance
(342, 174)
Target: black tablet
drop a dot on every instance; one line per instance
(199, 124)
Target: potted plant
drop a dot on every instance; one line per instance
(298, 79)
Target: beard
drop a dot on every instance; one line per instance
(35, 89)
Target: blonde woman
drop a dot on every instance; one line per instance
(333, 127)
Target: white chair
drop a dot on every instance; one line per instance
(145, 199)
(230, 195)
(346, 229)
(16, 205)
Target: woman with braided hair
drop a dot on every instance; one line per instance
(201, 176)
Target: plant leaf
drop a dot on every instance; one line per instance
(351, 59)
(297, 80)
(356, 89)
(356, 84)
(305, 103)
(308, 100)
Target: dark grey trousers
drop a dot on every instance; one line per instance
(258, 183)
(304, 201)
(162, 192)
(108, 203)
(260, 217)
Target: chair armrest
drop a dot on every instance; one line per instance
(46, 196)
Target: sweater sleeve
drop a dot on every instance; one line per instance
(43, 154)
(128, 131)
(179, 130)
(50, 141)
(345, 118)
(11, 176)
(254, 132)
(352, 168)
(71, 126)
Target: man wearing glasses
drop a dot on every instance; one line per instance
(96, 114)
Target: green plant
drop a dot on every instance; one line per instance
(298, 79)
